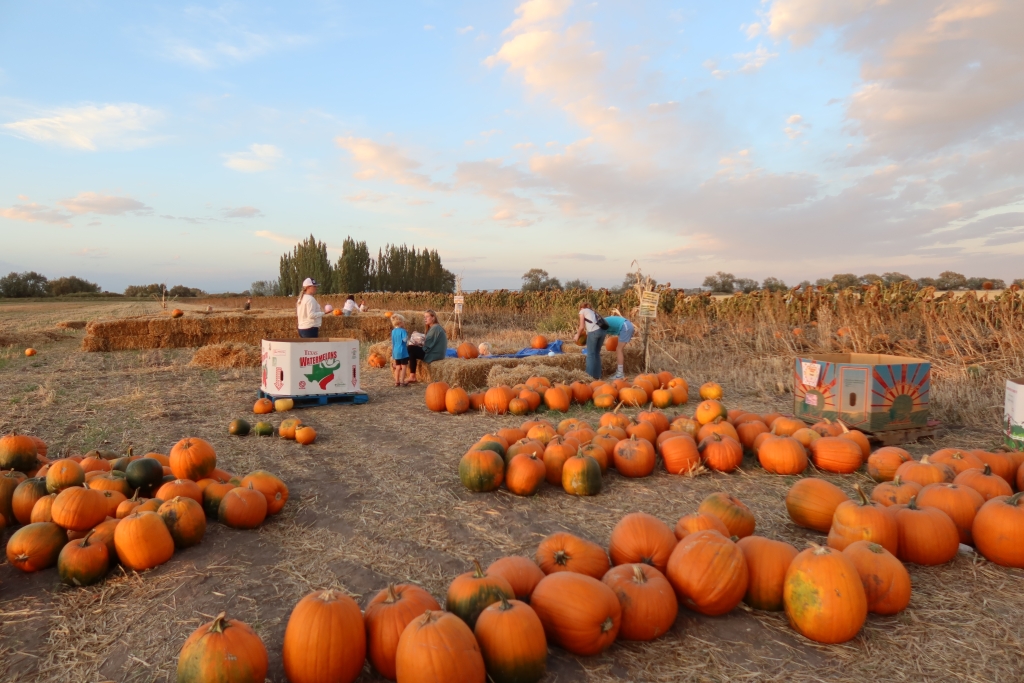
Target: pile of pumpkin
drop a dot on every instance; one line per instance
(498, 622)
(291, 429)
(84, 513)
(574, 455)
(662, 390)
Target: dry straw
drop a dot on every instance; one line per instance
(227, 355)
(510, 377)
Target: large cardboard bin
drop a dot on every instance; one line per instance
(866, 391)
(1013, 414)
(310, 367)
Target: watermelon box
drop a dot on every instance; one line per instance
(1013, 414)
(309, 367)
(870, 392)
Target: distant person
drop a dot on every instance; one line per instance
(350, 306)
(248, 305)
(399, 349)
(623, 328)
(594, 325)
(435, 347)
(308, 310)
(362, 305)
(484, 349)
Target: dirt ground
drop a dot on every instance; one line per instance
(377, 499)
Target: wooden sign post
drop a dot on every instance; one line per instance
(648, 312)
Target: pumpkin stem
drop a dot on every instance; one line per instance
(505, 605)
(478, 571)
(638, 574)
(1015, 498)
(561, 557)
(607, 625)
(925, 460)
(987, 471)
(393, 595)
(913, 502)
(219, 624)
(85, 539)
(863, 496)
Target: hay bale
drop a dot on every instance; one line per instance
(71, 325)
(227, 355)
(520, 373)
(381, 348)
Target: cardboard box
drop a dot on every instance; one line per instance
(310, 367)
(1013, 414)
(866, 391)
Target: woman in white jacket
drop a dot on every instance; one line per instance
(308, 310)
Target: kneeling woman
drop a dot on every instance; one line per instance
(308, 310)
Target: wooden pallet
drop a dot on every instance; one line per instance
(355, 398)
(895, 437)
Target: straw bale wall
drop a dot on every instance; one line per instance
(201, 329)
(473, 373)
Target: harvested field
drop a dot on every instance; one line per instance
(377, 499)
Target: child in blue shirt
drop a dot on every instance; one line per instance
(399, 349)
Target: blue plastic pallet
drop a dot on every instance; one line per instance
(322, 400)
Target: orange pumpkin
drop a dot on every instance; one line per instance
(512, 641)
(456, 401)
(721, 453)
(143, 541)
(83, 562)
(895, 492)
(192, 458)
(1001, 463)
(832, 454)
(18, 452)
(470, 593)
(649, 606)
(24, 497)
(79, 509)
(717, 426)
(223, 650)
(957, 460)
(827, 427)
(634, 457)
(883, 463)
(925, 472)
(998, 531)
(242, 508)
(711, 391)
(747, 432)
(812, 502)
(556, 399)
(435, 396)
(180, 487)
(522, 574)
(699, 521)
(42, 511)
(767, 562)
(862, 520)
(578, 612)
(325, 639)
(524, 474)
(984, 482)
(438, 646)
(263, 406)
(680, 455)
(782, 455)
(36, 546)
(736, 516)
(496, 400)
(563, 552)
(387, 615)
(961, 503)
(708, 572)
(824, 597)
(858, 438)
(927, 536)
(641, 538)
(643, 430)
(709, 410)
(785, 426)
(466, 350)
(272, 488)
(886, 581)
(185, 520)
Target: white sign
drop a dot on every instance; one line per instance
(459, 301)
(811, 399)
(649, 304)
(811, 373)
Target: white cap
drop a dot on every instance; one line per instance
(309, 282)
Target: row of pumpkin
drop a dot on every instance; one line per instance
(578, 595)
(662, 390)
(83, 513)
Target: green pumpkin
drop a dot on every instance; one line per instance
(490, 446)
(239, 428)
(145, 474)
(264, 429)
(581, 478)
(481, 470)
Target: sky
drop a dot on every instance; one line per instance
(193, 144)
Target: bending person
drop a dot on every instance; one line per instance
(590, 322)
(623, 329)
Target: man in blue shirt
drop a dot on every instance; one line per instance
(623, 329)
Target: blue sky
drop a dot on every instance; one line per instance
(193, 143)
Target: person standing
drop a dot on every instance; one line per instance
(623, 329)
(350, 306)
(248, 305)
(308, 310)
(399, 348)
(591, 323)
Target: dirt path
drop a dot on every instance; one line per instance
(377, 499)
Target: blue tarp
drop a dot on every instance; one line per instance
(553, 347)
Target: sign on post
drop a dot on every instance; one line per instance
(459, 300)
(649, 304)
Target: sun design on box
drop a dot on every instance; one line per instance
(901, 395)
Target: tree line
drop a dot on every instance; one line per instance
(395, 269)
(727, 283)
(33, 284)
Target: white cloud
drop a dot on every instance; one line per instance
(243, 212)
(380, 161)
(258, 158)
(428, 27)
(31, 212)
(276, 237)
(94, 202)
(751, 30)
(366, 196)
(750, 62)
(90, 127)
(464, 30)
